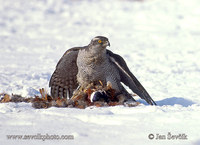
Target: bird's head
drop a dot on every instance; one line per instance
(98, 44)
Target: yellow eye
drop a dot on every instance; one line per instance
(99, 41)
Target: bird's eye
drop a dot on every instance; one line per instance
(100, 41)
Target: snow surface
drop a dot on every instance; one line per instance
(159, 39)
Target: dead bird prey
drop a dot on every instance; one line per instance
(81, 66)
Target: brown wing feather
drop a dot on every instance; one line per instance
(63, 81)
(129, 79)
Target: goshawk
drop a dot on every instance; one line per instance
(80, 66)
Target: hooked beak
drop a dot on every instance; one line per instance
(106, 43)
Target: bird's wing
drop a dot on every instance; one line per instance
(129, 79)
(63, 81)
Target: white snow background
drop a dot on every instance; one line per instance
(159, 39)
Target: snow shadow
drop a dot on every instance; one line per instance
(172, 101)
(175, 100)
(197, 142)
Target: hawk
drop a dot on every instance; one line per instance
(80, 66)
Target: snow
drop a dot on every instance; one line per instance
(159, 40)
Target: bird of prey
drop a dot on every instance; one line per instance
(80, 66)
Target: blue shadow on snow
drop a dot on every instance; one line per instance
(171, 101)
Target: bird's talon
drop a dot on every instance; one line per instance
(101, 82)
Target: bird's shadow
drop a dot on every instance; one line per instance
(172, 101)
